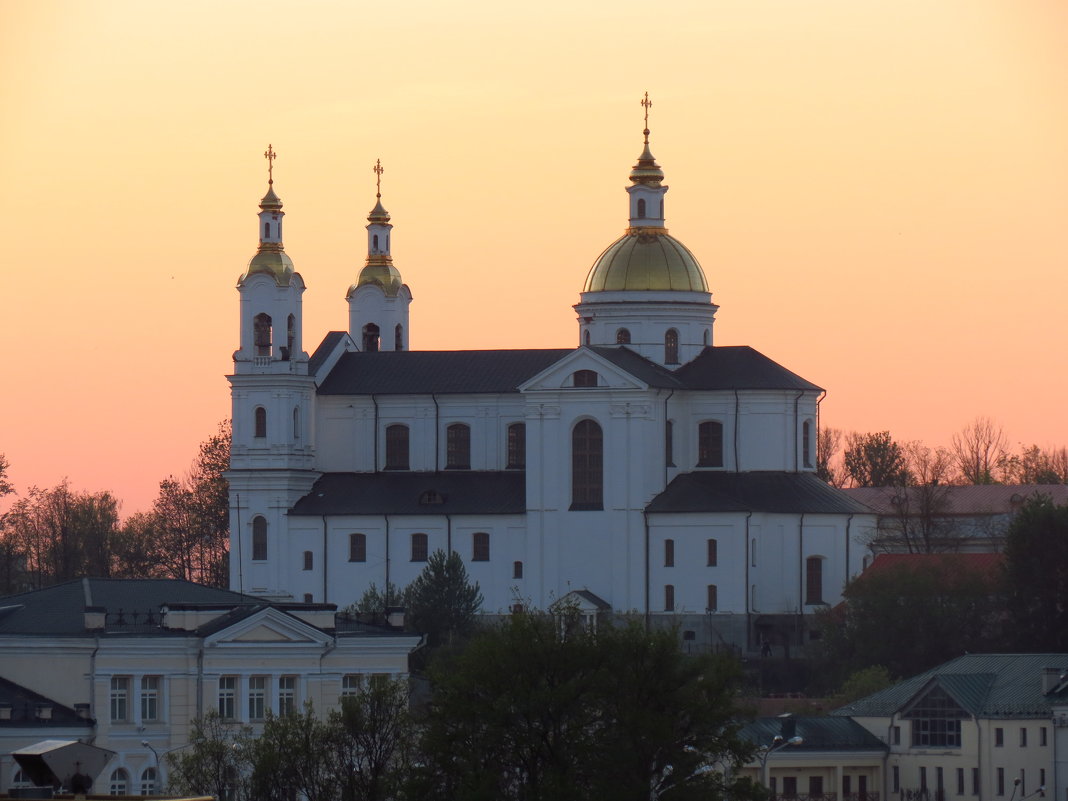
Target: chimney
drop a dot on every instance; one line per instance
(1051, 678)
(395, 617)
(82, 711)
(43, 712)
(95, 617)
(5, 711)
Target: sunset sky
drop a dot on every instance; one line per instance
(877, 191)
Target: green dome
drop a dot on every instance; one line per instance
(646, 260)
(272, 262)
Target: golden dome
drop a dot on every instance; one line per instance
(378, 213)
(379, 273)
(271, 201)
(646, 259)
(647, 171)
(270, 261)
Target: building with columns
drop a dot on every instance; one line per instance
(645, 470)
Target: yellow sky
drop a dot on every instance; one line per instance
(876, 189)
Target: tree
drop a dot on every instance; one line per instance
(1036, 465)
(374, 741)
(980, 451)
(1036, 576)
(215, 761)
(918, 524)
(372, 606)
(860, 684)
(530, 710)
(291, 759)
(828, 441)
(875, 460)
(441, 602)
(912, 615)
(5, 485)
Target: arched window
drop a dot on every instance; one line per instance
(261, 334)
(260, 421)
(309, 560)
(713, 598)
(517, 446)
(120, 782)
(308, 598)
(517, 570)
(806, 444)
(669, 553)
(814, 580)
(371, 338)
(291, 336)
(259, 539)
(669, 597)
(708, 337)
(266, 230)
(397, 447)
(713, 553)
(480, 547)
(669, 443)
(296, 422)
(587, 466)
(671, 346)
(398, 337)
(710, 444)
(622, 337)
(20, 779)
(149, 781)
(586, 338)
(641, 207)
(357, 547)
(458, 447)
(419, 547)
(374, 243)
(584, 378)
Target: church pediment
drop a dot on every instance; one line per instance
(268, 626)
(583, 368)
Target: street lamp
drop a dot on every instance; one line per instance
(778, 742)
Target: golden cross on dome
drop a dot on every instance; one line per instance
(646, 103)
(270, 155)
(379, 169)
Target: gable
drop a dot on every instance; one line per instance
(269, 625)
(934, 702)
(561, 375)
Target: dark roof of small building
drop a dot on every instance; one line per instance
(499, 371)
(817, 733)
(409, 493)
(25, 703)
(774, 492)
(426, 372)
(984, 685)
(126, 603)
(981, 499)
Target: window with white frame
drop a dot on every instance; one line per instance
(120, 782)
(257, 697)
(149, 781)
(150, 698)
(351, 685)
(228, 697)
(120, 699)
(287, 695)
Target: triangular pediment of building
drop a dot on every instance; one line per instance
(943, 699)
(268, 626)
(561, 374)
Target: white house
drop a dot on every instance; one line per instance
(647, 467)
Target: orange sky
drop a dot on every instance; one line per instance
(877, 190)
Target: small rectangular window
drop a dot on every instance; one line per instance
(815, 786)
(713, 553)
(960, 781)
(713, 598)
(1041, 777)
(896, 779)
(789, 786)
(517, 570)
(357, 547)
(939, 785)
(895, 735)
(227, 697)
(1042, 738)
(120, 699)
(975, 781)
(669, 597)
(923, 778)
(150, 686)
(419, 547)
(1023, 737)
(999, 737)
(1001, 781)
(351, 684)
(480, 547)
(669, 553)
(308, 560)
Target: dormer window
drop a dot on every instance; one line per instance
(622, 337)
(584, 378)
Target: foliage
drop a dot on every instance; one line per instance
(980, 451)
(828, 441)
(373, 746)
(6, 487)
(908, 617)
(373, 603)
(919, 524)
(860, 684)
(288, 759)
(527, 711)
(1035, 465)
(1036, 576)
(213, 763)
(441, 602)
(875, 460)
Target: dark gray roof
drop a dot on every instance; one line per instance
(719, 491)
(497, 371)
(739, 367)
(984, 685)
(425, 372)
(404, 493)
(818, 734)
(60, 610)
(326, 347)
(24, 703)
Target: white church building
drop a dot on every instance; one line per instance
(644, 471)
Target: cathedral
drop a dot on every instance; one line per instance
(644, 471)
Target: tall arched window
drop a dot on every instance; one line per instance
(291, 336)
(296, 422)
(669, 553)
(586, 338)
(669, 443)
(371, 338)
(374, 243)
(266, 230)
(517, 570)
(149, 781)
(357, 547)
(261, 334)
(517, 446)
(587, 466)
(622, 337)
(419, 547)
(259, 539)
(398, 337)
(669, 597)
(713, 598)
(120, 782)
(710, 444)
(458, 447)
(260, 421)
(713, 553)
(671, 346)
(806, 444)
(397, 447)
(708, 337)
(641, 207)
(309, 560)
(480, 547)
(814, 580)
